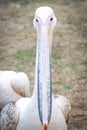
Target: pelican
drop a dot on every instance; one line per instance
(64, 105)
(13, 86)
(41, 111)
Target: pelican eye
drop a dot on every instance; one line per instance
(37, 20)
(51, 19)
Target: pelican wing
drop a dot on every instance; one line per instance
(9, 117)
(20, 84)
(64, 105)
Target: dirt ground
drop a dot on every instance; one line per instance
(69, 51)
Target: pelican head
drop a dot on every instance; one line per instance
(44, 16)
(44, 22)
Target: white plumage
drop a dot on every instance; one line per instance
(64, 105)
(42, 110)
(13, 86)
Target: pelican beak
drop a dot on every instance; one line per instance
(44, 80)
(45, 127)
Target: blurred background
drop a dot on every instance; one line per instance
(69, 49)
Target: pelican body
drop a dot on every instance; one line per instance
(41, 110)
(13, 86)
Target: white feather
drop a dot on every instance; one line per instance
(13, 86)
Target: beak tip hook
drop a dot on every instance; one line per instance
(45, 127)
